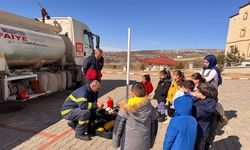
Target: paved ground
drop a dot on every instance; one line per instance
(37, 124)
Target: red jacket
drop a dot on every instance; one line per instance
(92, 68)
(149, 87)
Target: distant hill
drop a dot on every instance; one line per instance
(182, 55)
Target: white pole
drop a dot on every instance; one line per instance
(128, 63)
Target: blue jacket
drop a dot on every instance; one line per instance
(182, 129)
(203, 110)
(193, 98)
(83, 98)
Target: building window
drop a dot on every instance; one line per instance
(248, 51)
(243, 32)
(245, 16)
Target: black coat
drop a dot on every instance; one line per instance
(203, 111)
(161, 92)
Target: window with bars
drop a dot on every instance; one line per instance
(245, 16)
(248, 51)
(243, 32)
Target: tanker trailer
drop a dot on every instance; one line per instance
(30, 48)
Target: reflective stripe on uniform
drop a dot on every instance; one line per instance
(83, 122)
(65, 111)
(82, 99)
(96, 121)
(89, 105)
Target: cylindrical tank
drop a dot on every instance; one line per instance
(23, 46)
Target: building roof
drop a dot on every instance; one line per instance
(247, 3)
(234, 15)
(160, 61)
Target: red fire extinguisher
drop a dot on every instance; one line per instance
(110, 102)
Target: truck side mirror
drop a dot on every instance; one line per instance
(97, 42)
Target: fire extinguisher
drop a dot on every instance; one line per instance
(110, 103)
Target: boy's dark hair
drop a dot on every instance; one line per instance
(138, 89)
(146, 77)
(167, 73)
(208, 90)
(189, 84)
(180, 83)
(198, 76)
(179, 74)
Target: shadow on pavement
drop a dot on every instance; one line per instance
(231, 114)
(8, 107)
(109, 85)
(19, 121)
(230, 143)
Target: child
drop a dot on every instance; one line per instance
(161, 93)
(203, 110)
(185, 88)
(136, 123)
(146, 81)
(176, 76)
(180, 89)
(182, 129)
(188, 86)
(197, 79)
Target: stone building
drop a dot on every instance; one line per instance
(239, 32)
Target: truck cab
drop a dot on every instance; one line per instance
(81, 43)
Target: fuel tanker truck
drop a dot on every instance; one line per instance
(37, 58)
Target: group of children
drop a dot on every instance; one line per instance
(190, 103)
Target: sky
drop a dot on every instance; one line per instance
(155, 24)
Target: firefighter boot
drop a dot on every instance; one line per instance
(73, 124)
(39, 87)
(36, 87)
(82, 131)
(84, 137)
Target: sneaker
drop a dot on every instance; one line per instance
(158, 114)
(72, 125)
(84, 137)
(162, 118)
(106, 135)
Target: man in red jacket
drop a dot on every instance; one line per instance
(93, 65)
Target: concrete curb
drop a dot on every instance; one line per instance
(235, 78)
(154, 74)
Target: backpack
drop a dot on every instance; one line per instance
(217, 118)
(221, 114)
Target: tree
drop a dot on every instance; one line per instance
(142, 66)
(179, 66)
(221, 61)
(114, 67)
(233, 57)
